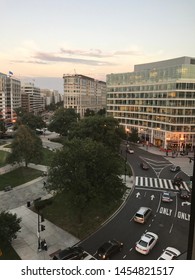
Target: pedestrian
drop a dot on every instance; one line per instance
(44, 183)
(45, 245)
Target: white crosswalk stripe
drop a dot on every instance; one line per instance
(157, 183)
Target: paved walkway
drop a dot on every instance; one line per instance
(26, 244)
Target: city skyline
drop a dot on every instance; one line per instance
(42, 40)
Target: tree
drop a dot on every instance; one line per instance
(26, 146)
(10, 225)
(63, 120)
(30, 120)
(86, 170)
(133, 136)
(89, 112)
(99, 128)
(102, 112)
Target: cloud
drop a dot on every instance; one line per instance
(29, 61)
(99, 53)
(92, 57)
(49, 57)
(90, 53)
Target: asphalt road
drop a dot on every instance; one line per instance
(170, 221)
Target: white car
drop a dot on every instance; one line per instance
(169, 253)
(146, 242)
(130, 151)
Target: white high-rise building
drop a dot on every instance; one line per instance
(32, 100)
(10, 98)
(82, 93)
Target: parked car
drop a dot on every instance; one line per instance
(108, 249)
(184, 153)
(144, 166)
(70, 253)
(146, 242)
(175, 168)
(130, 151)
(184, 194)
(166, 197)
(169, 253)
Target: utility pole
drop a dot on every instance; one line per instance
(191, 236)
(40, 228)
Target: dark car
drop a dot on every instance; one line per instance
(175, 168)
(108, 249)
(144, 166)
(184, 194)
(177, 181)
(166, 197)
(70, 253)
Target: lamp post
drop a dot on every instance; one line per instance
(127, 146)
(191, 236)
(39, 230)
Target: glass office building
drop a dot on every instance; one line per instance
(158, 99)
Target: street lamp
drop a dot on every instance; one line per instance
(127, 146)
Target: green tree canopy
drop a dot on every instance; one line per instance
(29, 119)
(133, 136)
(26, 146)
(101, 129)
(63, 120)
(10, 225)
(86, 170)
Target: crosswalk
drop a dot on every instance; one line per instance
(158, 183)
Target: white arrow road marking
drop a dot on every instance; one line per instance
(152, 197)
(185, 203)
(137, 195)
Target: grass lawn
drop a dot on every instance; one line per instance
(3, 156)
(62, 213)
(47, 157)
(18, 177)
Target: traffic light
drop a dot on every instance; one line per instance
(42, 218)
(42, 227)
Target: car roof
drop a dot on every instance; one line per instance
(166, 193)
(106, 245)
(68, 251)
(169, 253)
(148, 236)
(142, 209)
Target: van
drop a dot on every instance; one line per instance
(142, 215)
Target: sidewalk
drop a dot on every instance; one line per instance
(26, 244)
(182, 161)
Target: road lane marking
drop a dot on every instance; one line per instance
(161, 184)
(171, 228)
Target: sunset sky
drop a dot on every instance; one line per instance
(43, 39)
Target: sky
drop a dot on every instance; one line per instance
(43, 39)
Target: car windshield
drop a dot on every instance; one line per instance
(104, 248)
(143, 243)
(169, 253)
(166, 194)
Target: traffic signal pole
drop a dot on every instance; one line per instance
(38, 233)
(191, 236)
